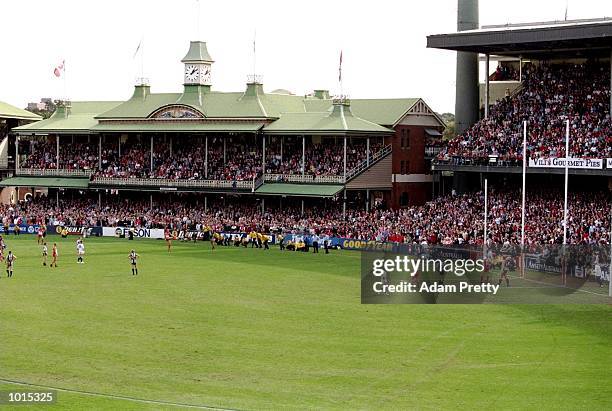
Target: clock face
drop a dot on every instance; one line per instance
(192, 73)
(205, 75)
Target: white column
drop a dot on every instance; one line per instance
(57, 198)
(57, 156)
(151, 201)
(100, 152)
(368, 152)
(345, 161)
(170, 145)
(263, 156)
(486, 104)
(206, 156)
(303, 155)
(486, 213)
(566, 178)
(281, 153)
(224, 158)
(344, 205)
(206, 204)
(302, 207)
(263, 205)
(367, 200)
(99, 199)
(17, 153)
(524, 184)
(151, 155)
(119, 151)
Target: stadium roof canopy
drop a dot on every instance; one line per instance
(8, 111)
(299, 190)
(53, 182)
(586, 38)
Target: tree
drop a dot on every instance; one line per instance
(449, 121)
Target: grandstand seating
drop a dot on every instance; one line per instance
(449, 220)
(551, 94)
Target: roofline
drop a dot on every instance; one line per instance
(327, 132)
(37, 118)
(473, 40)
(442, 123)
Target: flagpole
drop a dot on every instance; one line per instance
(65, 88)
(142, 60)
(254, 54)
(340, 76)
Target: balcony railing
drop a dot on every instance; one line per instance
(164, 182)
(307, 178)
(432, 151)
(52, 172)
(365, 164)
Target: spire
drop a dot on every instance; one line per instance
(198, 53)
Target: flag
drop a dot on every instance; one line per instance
(137, 48)
(340, 68)
(57, 71)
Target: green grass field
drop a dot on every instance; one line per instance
(253, 329)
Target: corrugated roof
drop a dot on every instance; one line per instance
(9, 111)
(338, 121)
(45, 182)
(307, 190)
(386, 112)
(179, 126)
(80, 118)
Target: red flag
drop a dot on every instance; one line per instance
(340, 68)
(58, 70)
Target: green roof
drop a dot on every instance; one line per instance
(45, 182)
(80, 118)
(306, 190)
(214, 104)
(197, 52)
(291, 114)
(386, 112)
(339, 121)
(8, 111)
(176, 126)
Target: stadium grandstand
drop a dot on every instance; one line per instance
(372, 170)
(250, 143)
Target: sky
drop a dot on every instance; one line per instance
(298, 44)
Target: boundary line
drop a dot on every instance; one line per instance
(117, 397)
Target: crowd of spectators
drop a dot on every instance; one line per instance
(323, 159)
(448, 220)
(186, 159)
(551, 94)
(504, 72)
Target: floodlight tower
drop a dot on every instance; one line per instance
(466, 100)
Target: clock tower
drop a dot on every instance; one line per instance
(197, 64)
(197, 73)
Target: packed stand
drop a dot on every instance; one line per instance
(449, 220)
(551, 94)
(323, 159)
